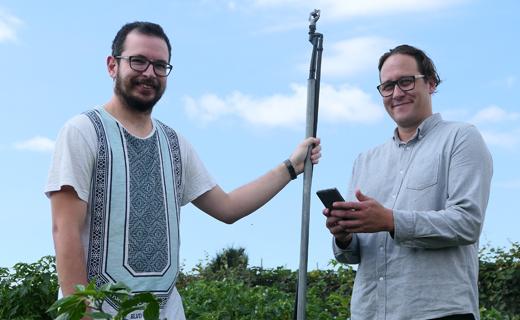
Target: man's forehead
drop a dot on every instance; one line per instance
(136, 41)
(398, 65)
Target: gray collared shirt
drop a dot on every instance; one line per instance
(438, 187)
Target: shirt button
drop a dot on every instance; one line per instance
(393, 196)
(381, 248)
(401, 172)
(381, 278)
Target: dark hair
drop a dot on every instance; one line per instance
(147, 28)
(424, 62)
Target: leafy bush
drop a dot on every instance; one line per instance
(499, 280)
(28, 290)
(232, 299)
(226, 288)
(258, 293)
(494, 314)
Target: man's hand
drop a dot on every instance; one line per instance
(342, 237)
(367, 216)
(300, 153)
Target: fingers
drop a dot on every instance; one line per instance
(316, 154)
(345, 221)
(337, 227)
(345, 208)
(350, 226)
(334, 226)
(312, 141)
(360, 196)
(326, 212)
(316, 149)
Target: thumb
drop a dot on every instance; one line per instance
(361, 197)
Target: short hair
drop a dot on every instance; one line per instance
(425, 64)
(147, 28)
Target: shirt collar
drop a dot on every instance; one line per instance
(426, 126)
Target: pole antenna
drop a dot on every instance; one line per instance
(313, 92)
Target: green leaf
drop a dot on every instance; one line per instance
(63, 316)
(99, 315)
(151, 312)
(63, 303)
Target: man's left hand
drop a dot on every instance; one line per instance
(367, 215)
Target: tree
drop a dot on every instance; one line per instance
(229, 258)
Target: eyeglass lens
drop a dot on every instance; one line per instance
(141, 64)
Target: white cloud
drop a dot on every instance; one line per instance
(509, 139)
(352, 56)
(39, 144)
(494, 114)
(348, 104)
(8, 26)
(496, 123)
(356, 8)
(337, 104)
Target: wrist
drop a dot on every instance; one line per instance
(344, 242)
(290, 169)
(390, 221)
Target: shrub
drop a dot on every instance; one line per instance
(28, 290)
(499, 280)
(226, 288)
(258, 293)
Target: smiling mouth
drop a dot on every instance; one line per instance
(395, 105)
(147, 86)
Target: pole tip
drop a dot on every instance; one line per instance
(314, 16)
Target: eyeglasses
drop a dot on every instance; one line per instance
(407, 83)
(141, 64)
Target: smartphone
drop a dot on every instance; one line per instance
(329, 196)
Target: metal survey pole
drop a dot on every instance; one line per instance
(313, 95)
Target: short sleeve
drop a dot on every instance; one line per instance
(73, 158)
(195, 176)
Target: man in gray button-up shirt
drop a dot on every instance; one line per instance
(417, 205)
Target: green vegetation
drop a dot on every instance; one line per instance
(74, 307)
(27, 291)
(226, 288)
(499, 281)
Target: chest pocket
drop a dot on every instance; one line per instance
(423, 172)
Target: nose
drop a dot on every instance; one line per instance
(149, 71)
(398, 92)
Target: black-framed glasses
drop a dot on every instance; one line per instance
(140, 64)
(407, 83)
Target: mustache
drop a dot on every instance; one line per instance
(152, 82)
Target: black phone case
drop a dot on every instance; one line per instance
(329, 196)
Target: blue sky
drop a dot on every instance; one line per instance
(238, 93)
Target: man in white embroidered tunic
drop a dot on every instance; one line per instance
(119, 177)
(417, 205)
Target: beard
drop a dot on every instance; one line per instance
(123, 88)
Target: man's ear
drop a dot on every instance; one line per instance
(112, 66)
(432, 87)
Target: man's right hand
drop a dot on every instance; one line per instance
(341, 236)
